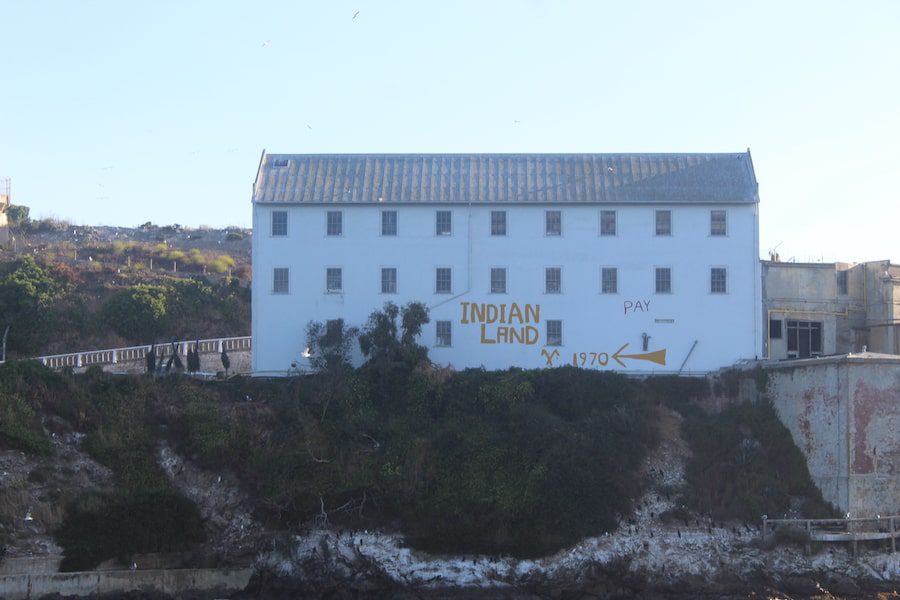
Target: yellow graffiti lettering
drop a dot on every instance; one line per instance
(515, 313)
(485, 340)
(477, 313)
(464, 320)
(492, 313)
(531, 335)
(532, 313)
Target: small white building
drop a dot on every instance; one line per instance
(629, 262)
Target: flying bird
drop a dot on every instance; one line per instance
(356, 14)
(266, 43)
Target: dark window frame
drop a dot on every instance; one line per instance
(498, 223)
(279, 223)
(389, 227)
(608, 223)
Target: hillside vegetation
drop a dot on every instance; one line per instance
(521, 463)
(70, 288)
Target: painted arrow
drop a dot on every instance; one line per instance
(657, 356)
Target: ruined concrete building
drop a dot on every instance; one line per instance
(820, 309)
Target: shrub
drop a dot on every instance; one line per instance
(329, 344)
(17, 215)
(221, 264)
(745, 464)
(138, 313)
(103, 526)
(20, 427)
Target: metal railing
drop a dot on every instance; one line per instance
(133, 353)
(841, 530)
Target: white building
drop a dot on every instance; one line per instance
(631, 262)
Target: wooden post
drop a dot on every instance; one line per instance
(78, 360)
(893, 536)
(115, 356)
(764, 528)
(808, 545)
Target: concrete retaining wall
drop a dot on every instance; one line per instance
(844, 414)
(169, 581)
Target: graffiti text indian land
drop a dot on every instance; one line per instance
(514, 324)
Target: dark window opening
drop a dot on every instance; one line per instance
(804, 338)
(842, 282)
(775, 329)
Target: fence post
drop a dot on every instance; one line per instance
(893, 536)
(78, 360)
(764, 528)
(220, 346)
(115, 356)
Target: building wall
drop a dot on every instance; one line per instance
(866, 317)
(883, 306)
(844, 414)
(721, 328)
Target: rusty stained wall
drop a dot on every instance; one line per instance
(844, 414)
(874, 439)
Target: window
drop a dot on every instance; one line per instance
(804, 338)
(552, 280)
(498, 280)
(607, 222)
(663, 280)
(775, 329)
(664, 222)
(498, 222)
(389, 222)
(443, 224)
(718, 222)
(334, 223)
(280, 281)
(279, 222)
(444, 333)
(389, 280)
(334, 280)
(553, 222)
(279, 163)
(609, 280)
(554, 332)
(842, 282)
(718, 280)
(442, 280)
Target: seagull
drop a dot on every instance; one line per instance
(308, 126)
(356, 14)
(266, 43)
(28, 516)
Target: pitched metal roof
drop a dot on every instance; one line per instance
(505, 178)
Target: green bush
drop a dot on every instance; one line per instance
(20, 427)
(103, 526)
(139, 313)
(745, 464)
(28, 292)
(18, 215)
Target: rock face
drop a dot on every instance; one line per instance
(34, 491)
(682, 557)
(234, 536)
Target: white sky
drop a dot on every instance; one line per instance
(122, 112)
